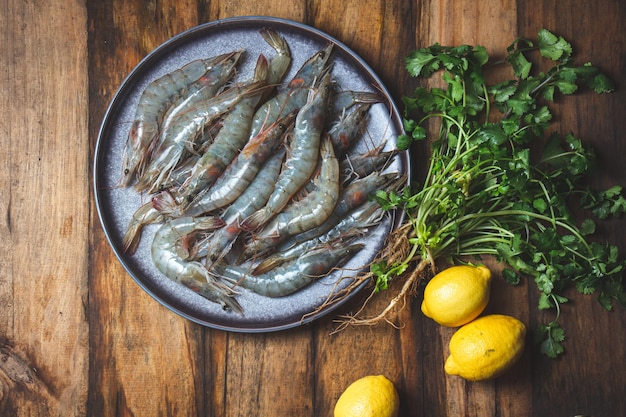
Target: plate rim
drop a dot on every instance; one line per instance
(164, 48)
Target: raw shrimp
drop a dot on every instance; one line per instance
(238, 175)
(362, 165)
(344, 133)
(238, 122)
(158, 96)
(291, 276)
(217, 245)
(302, 158)
(354, 224)
(348, 129)
(168, 204)
(170, 257)
(294, 95)
(206, 88)
(355, 194)
(228, 142)
(182, 134)
(305, 214)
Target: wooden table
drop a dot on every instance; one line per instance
(79, 337)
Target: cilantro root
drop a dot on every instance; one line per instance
(497, 184)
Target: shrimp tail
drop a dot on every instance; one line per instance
(261, 69)
(368, 97)
(165, 202)
(267, 264)
(161, 206)
(146, 214)
(227, 303)
(210, 223)
(212, 290)
(282, 61)
(274, 39)
(255, 220)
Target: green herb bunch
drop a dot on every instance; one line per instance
(498, 184)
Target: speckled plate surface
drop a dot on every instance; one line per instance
(116, 205)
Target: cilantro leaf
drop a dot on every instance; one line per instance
(421, 63)
(603, 204)
(550, 336)
(521, 65)
(552, 46)
(498, 183)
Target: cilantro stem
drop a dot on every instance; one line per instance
(485, 194)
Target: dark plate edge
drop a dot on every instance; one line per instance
(165, 48)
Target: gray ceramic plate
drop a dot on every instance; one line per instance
(117, 205)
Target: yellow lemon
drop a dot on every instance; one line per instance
(457, 295)
(370, 396)
(485, 347)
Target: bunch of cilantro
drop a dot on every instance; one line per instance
(498, 184)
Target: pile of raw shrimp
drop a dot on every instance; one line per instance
(252, 181)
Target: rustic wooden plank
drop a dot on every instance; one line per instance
(213, 10)
(377, 31)
(368, 29)
(147, 357)
(215, 366)
(253, 375)
(566, 384)
(343, 357)
(44, 196)
(270, 374)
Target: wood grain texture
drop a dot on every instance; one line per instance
(139, 347)
(78, 337)
(45, 194)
